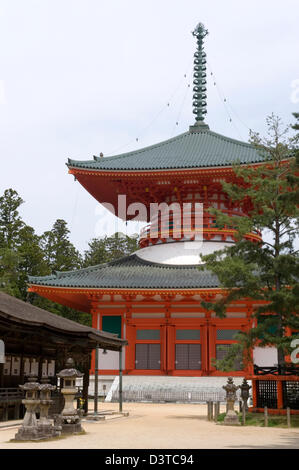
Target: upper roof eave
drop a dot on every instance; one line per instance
(203, 149)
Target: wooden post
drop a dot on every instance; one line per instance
(17, 411)
(289, 416)
(5, 412)
(22, 370)
(254, 393)
(243, 414)
(266, 415)
(96, 379)
(120, 381)
(85, 386)
(40, 368)
(1, 374)
(216, 410)
(209, 410)
(279, 395)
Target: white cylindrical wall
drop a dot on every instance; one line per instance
(180, 253)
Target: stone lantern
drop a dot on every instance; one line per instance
(231, 417)
(44, 423)
(244, 387)
(69, 418)
(29, 428)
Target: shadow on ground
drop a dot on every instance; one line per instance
(202, 418)
(290, 442)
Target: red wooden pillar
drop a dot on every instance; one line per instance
(288, 332)
(249, 369)
(170, 348)
(204, 349)
(94, 316)
(279, 395)
(130, 350)
(254, 394)
(163, 333)
(212, 346)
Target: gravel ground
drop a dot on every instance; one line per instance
(162, 426)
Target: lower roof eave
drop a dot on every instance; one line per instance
(117, 290)
(82, 299)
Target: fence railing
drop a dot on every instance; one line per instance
(275, 392)
(276, 370)
(170, 396)
(8, 394)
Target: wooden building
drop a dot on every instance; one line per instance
(39, 342)
(153, 297)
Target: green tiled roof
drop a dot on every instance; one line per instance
(131, 272)
(194, 149)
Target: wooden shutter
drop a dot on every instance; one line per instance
(148, 356)
(141, 356)
(154, 361)
(181, 356)
(194, 356)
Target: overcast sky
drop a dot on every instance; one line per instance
(80, 77)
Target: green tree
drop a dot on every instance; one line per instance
(23, 253)
(10, 220)
(9, 271)
(266, 271)
(60, 254)
(31, 258)
(61, 310)
(20, 251)
(10, 226)
(104, 250)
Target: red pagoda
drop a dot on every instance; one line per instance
(153, 297)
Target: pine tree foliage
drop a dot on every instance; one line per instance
(59, 252)
(268, 271)
(23, 253)
(106, 249)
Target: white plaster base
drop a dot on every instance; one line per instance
(179, 253)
